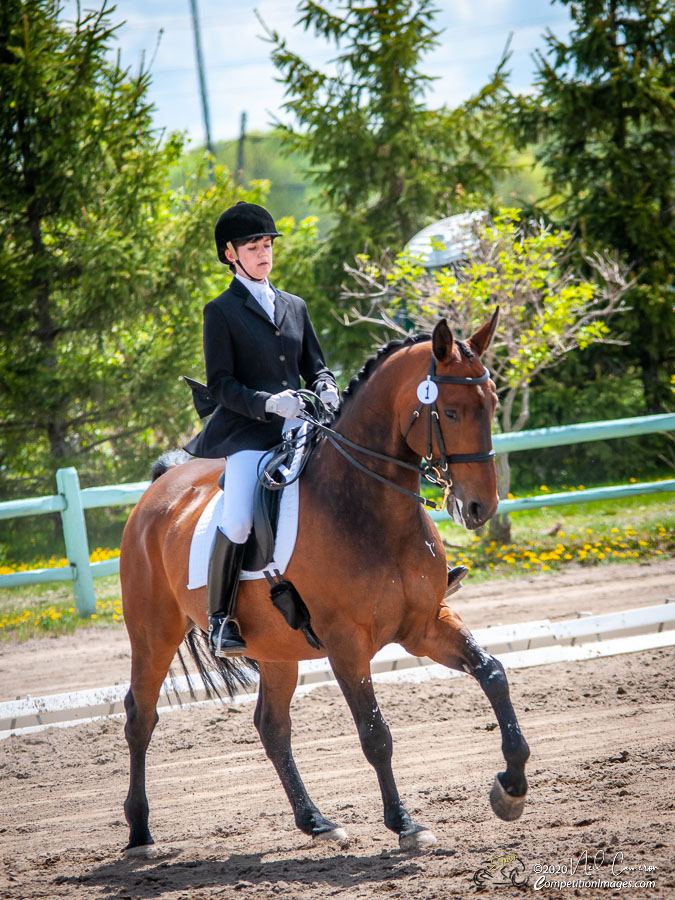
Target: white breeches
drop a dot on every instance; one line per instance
(241, 475)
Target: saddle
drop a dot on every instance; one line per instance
(259, 551)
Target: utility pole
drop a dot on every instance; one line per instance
(240, 149)
(202, 83)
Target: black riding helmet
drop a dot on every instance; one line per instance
(243, 222)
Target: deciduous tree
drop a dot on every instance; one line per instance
(546, 310)
(103, 269)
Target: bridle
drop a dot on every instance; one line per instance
(434, 470)
(437, 470)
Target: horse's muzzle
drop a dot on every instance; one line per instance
(471, 514)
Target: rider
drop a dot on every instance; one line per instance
(258, 344)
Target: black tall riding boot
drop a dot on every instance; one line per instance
(224, 570)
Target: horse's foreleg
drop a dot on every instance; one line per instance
(148, 670)
(509, 790)
(273, 721)
(449, 642)
(376, 743)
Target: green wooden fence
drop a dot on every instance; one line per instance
(71, 501)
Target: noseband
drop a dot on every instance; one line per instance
(437, 471)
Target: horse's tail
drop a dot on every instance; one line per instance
(215, 673)
(167, 461)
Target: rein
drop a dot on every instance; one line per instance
(435, 472)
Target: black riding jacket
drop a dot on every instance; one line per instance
(248, 358)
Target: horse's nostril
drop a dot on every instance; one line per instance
(476, 511)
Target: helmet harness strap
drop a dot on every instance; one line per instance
(237, 262)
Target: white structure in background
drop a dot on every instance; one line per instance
(457, 234)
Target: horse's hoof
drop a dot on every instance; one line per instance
(142, 851)
(417, 841)
(504, 805)
(335, 834)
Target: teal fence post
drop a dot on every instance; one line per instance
(75, 536)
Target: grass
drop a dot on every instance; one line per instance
(544, 540)
(587, 534)
(41, 610)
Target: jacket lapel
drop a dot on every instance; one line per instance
(280, 307)
(280, 303)
(249, 300)
(251, 303)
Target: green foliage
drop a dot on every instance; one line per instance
(523, 185)
(587, 535)
(385, 163)
(382, 159)
(609, 393)
(256, 159)
(546, 310)
(604, 117)
(48, 610)
(103, 268)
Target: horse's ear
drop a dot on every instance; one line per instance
(442, 341)
(481, 339)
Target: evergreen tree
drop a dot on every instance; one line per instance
(385, 163)
(102, 268)
(604, 115)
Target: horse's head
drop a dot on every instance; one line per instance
(456, 400)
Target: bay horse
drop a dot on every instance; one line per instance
(368, 563)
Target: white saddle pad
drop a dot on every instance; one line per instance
(287, 532)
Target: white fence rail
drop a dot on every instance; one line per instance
(518, 646)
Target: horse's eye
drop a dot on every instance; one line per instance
(450, 414)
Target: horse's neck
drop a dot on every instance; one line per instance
(369, 420)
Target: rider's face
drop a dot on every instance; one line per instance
(256, 257)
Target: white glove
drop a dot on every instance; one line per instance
(330, 398)
(286, 404)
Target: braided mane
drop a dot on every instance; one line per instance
(376, 360)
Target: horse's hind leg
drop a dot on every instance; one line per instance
(449, 642)
(151, 656)
(375, 737)
(273, 721)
